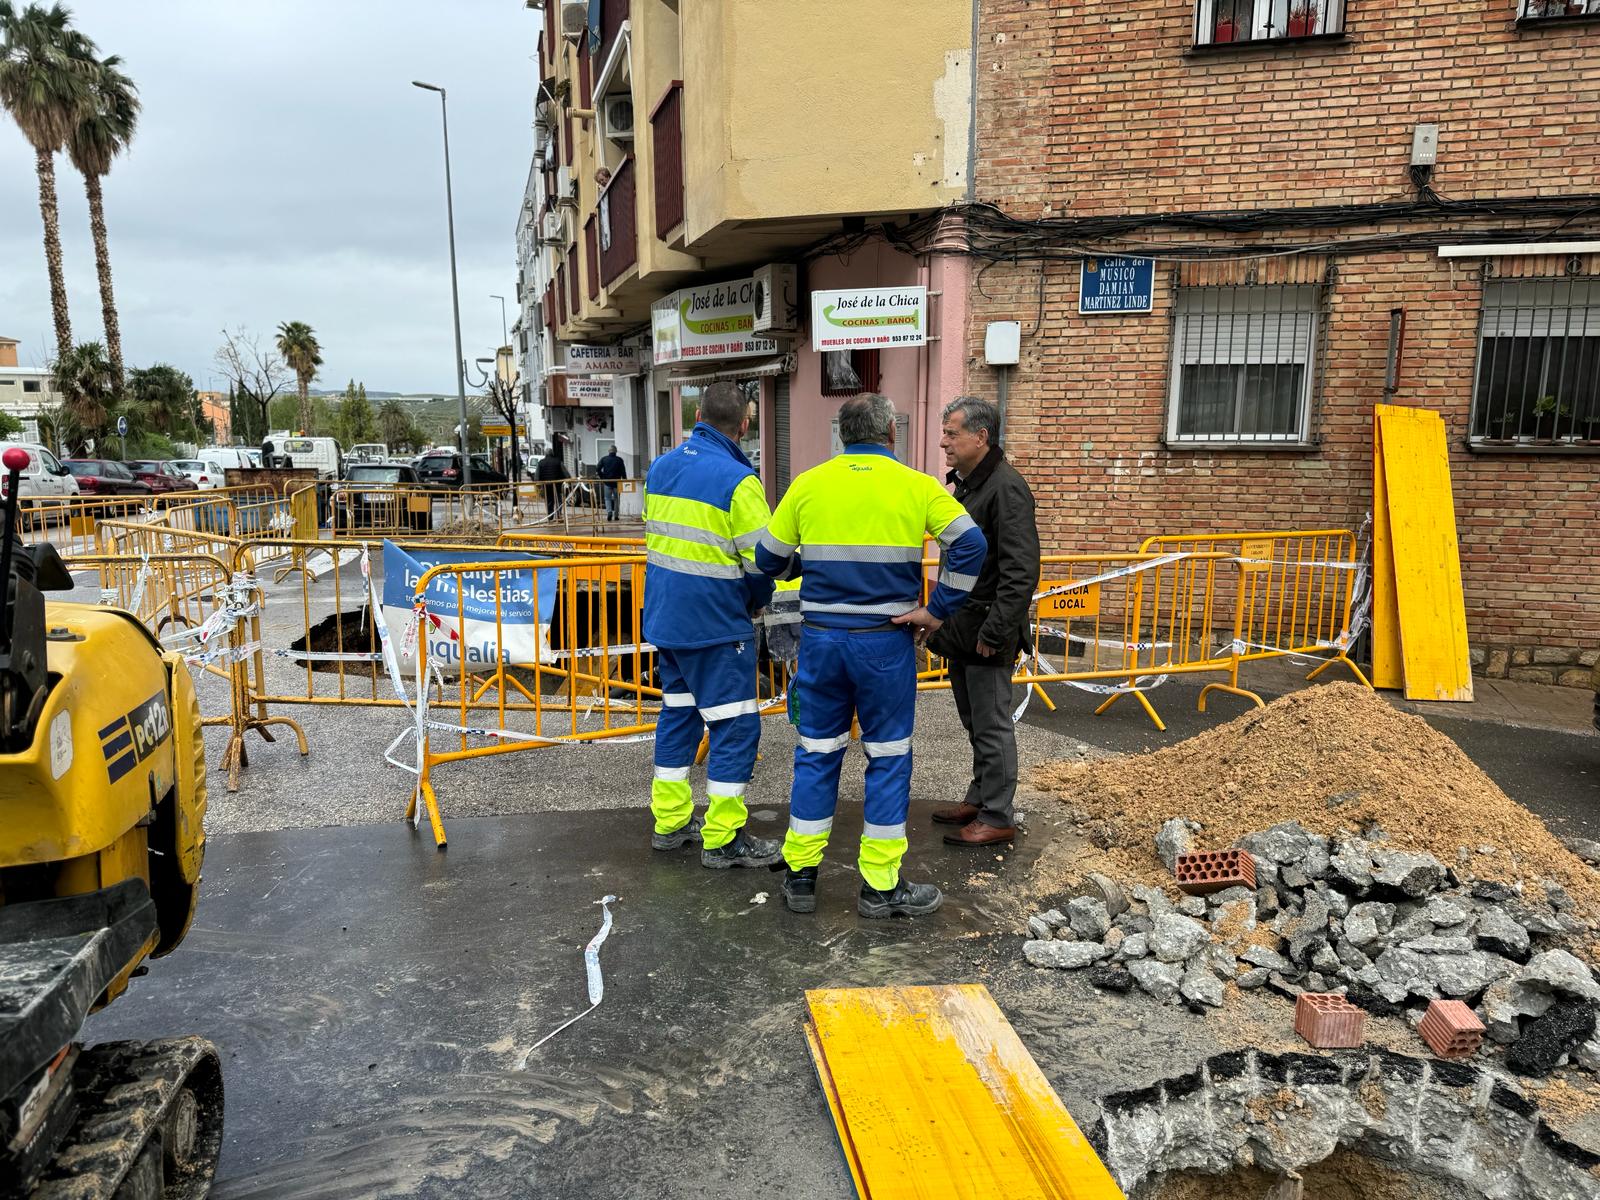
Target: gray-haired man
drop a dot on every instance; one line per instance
(982, 640)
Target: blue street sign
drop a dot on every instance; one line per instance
(122, 426)
(1116, 285)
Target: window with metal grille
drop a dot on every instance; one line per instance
(1549, 10)
(1228, 22)
(1538, 377)
(1244, 364)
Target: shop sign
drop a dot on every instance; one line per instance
(588, 390)
(869, 318)
(602, 360)
(716, 321)
(1116, 285)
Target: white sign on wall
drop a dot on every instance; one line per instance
(869, 318)
(716, 321)
(588, 390)
(602, 360)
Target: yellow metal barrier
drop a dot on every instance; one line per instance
(585, 678)
(1292, 595)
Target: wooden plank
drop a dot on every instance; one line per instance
(831, 1094)
(939, 1100)
(1388, 669)
(1427, 562)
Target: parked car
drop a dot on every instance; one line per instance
(383, 505)
(103, 477)
(157, 475)
(203, 474)
(444, 470)
(237, 458)
(44, 478)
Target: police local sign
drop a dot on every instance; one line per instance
(602, 360)
(717, 321)
(869, 318)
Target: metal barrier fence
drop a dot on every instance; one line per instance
(1294, 595)
(558, 655)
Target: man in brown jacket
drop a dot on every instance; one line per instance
(982, 640)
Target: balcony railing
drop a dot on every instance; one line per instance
(591, 246)
(618, 224)
(666, 132)
(1236, 22)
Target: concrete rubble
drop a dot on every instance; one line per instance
(1440, 1119)
(1392, 929)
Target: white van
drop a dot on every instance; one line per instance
(230, 458)
(43, 478)
(320, 454)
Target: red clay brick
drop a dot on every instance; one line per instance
(1214, 870)
(1328, 1021)
(1451, 1029)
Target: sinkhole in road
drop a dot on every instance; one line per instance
(1245, 1123)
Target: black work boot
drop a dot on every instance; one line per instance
(908, 899)
(671, 841)
(743, 851)
(800, 890)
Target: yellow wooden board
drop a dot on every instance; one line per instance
(1388, 671)
(1427, 563)
(1077, 604)
(936, 1097)
(831, 1093)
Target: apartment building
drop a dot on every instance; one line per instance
(710, 171)
(24, 391)
(1229, 228)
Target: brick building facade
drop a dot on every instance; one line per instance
(1244, 397)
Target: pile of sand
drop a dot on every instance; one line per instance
(1333, 758)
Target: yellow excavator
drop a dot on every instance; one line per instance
(102, 807)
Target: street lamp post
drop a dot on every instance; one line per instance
(455, 299)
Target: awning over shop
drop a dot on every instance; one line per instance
(734, 369)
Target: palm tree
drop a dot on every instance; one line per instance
(45, 89)
(83, 377)
(102, 132)
(297, 342)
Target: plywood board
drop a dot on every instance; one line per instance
(1388, 670)
(1427, 562)
(936, 1097)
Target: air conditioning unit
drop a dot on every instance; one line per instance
(566, 186)
(619, 119)
(574, 17)
(775, 298)
(554, 227)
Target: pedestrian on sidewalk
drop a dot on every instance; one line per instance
(982, 641)
(550, 472)
(610, 470)
(704, 510)
(859, 521)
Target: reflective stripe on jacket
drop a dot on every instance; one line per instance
(859, 521)
(704, 509)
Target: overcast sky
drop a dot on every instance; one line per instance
(285, 169)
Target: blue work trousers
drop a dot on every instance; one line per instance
(871, 674)
(709, 688)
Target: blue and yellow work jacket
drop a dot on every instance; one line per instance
(859, 521)
(704, 510)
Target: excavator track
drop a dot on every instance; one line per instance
(149, 1124)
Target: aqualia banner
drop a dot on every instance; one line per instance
(527, 600)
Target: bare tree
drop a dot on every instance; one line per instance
(502, 395)
(257, 371)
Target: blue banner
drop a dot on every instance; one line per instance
(467, 627)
